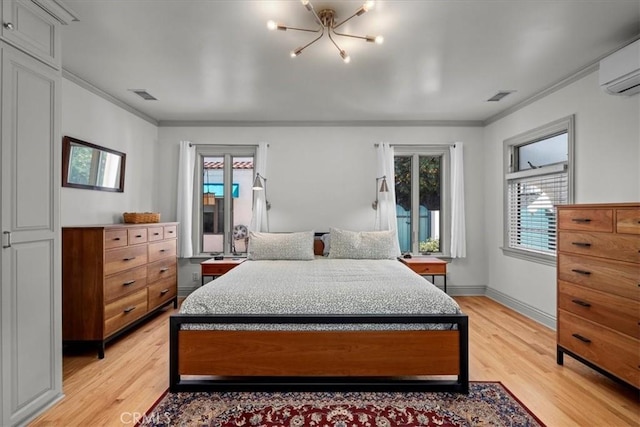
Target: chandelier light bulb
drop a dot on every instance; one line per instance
(345, 57)
(296, 52)
(368, 5)
(379, 39)
(272, 25)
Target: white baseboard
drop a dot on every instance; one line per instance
(522, 308)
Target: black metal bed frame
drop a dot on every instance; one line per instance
(178, 384)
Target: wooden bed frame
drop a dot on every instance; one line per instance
(383, 360)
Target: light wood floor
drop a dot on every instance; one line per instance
(504, 346)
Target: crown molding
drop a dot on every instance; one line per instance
(112, 99)
(320, 123)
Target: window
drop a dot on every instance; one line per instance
(225, 198)
(538, 177)
(422, 198)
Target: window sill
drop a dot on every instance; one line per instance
(530, 256)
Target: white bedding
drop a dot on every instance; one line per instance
(321, 286)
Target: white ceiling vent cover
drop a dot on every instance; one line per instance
(620, 71)
(142, 93)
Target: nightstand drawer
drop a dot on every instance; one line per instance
(427, 269)
(216, 269)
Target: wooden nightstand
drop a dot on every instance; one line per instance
(428, 266)
(218, 267)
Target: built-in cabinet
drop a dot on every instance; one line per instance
(30, 308)
(599, 287)
(114, 276)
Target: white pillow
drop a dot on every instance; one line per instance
(281, 246)
(363, 244)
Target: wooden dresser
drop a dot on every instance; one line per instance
(599, 288)
(113, 276)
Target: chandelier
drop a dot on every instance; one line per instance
(326, 18)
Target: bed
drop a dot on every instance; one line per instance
(319, 323)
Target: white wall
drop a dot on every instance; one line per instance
(607, 169)
(91, 118)
(321, 177)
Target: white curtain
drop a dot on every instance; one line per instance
(458, 231)
(184, 215)
(260, 215)
(386, 218)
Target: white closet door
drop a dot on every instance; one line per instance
(31, 293)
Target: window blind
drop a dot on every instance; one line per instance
(531, 212)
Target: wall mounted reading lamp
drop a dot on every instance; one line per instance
(260, 184)
(383, 189)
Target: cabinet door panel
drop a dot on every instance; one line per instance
(31, 324)
(32, 30)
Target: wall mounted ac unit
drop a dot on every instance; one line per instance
(620, 71)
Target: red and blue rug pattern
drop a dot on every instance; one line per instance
(487, 404)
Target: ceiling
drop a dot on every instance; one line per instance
(216, 61)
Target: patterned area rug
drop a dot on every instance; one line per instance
(487, 404)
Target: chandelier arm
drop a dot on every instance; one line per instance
(350, 35)
(313, 41)
(305, 29)
(334, 42)
(333, 27)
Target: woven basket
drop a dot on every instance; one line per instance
(140, 217)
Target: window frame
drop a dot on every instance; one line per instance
(227, 152)
(510, 145)
(415, 151)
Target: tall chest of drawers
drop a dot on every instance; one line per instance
(599, 288)
(114, 276)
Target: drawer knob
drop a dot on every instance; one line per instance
(170, 232)
(163, 250)
(583, 272)
(129, 309)
(129, 259)
(581, 338)
(163, 269)
(581, 219)
(156, 234)
(138, 236)
(116, 238)
(581, 303)
(581, 244)
(8, 26)
(164, 291)
(130, 282)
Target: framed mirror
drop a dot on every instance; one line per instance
(90, 166)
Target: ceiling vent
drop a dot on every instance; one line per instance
(620, 71)
(142, 93)
(498, 96)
